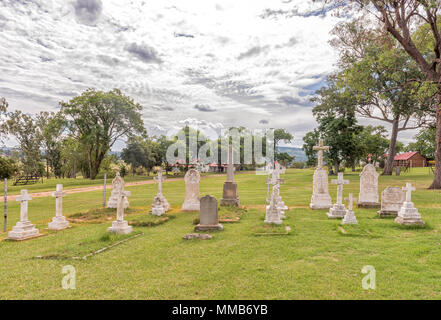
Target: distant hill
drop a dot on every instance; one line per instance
(297, 152)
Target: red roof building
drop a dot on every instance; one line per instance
(410, 159)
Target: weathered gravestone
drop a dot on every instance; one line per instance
(162, 200)
(209, 218)
(408, 214)
(59, 222)
(192, 202)
(230, 196)
(320, 191)
(368, 197)
(338, 210)
(117, 188)
(392, 199)
(24, 229)
(121, 226)
(273, 212)
(349, 217)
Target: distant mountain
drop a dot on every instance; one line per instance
(297, 152)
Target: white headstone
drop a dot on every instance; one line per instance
(320, 190)
(158, 207)
(338, 210)
(121, 226)
(392, 199)
(163, 201)
(24, 229)
(408, 214)
(368, 197)
(192, 202)
(349, 217)
(117, 188)
(59, 222)
(272, 212)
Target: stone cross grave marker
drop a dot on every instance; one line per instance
(24, 229)
(59, 222)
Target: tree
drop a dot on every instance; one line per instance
(310, 140)
(285, 159)
(3, 125)
(8, 168)
(52, 126)
(141, 152)
(98, 119)
(335, 113)
(425, 143)
(281, 135)
(373, 143)
(381, 76)
(29, 136)
(399, 18)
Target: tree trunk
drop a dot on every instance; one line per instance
(389, 165)
(436, 184)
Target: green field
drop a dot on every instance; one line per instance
(318, 259)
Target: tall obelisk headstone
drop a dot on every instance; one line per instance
(230, 195)
(320, 192)
(59, 222)
(24, 229)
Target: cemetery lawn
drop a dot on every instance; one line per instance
(317, 259)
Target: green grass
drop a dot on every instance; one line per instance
(319, 259)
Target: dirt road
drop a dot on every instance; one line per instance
(95, 188)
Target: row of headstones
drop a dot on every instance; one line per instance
(24, 229)
(206, 205)
(393, 201)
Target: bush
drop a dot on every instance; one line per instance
(8, 168)
(298, 165)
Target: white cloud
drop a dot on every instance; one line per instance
(170, 56)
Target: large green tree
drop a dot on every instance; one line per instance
(401, 19)
(382, 78)
(98, 119)
(335, 114)
(26, 130)
(424, 142)
(52, 126)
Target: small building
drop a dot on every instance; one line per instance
(410, 159)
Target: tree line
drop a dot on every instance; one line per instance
(80, 136)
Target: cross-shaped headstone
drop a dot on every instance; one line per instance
(59, 194)
(408, 188)
(320, 148)
(340, 182)
(24, 198)
(160, 178)
(120, 208)
(351, 202)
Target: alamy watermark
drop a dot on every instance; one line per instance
(369, 281)
(206, 146)
(69, 280)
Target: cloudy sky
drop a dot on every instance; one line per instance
(215, 64)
